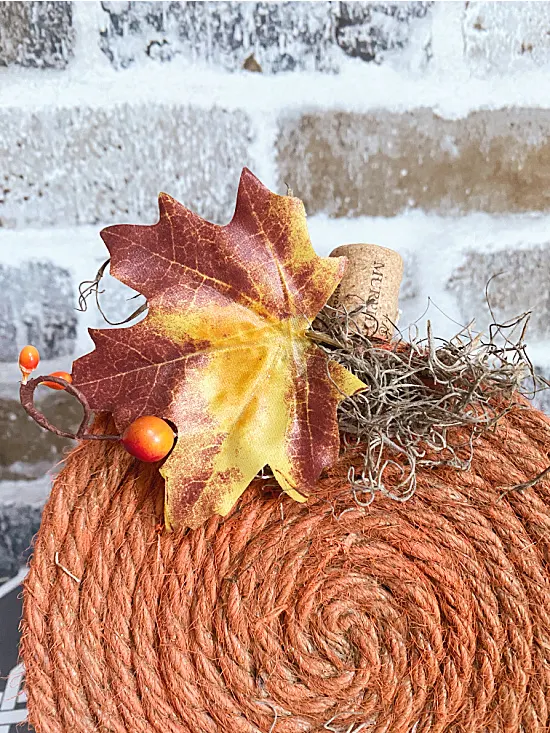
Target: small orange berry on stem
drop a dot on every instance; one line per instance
(62, 375)
(148, 438)
(29, 358)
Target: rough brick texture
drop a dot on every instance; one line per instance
(381, 163)
(523, 285)
(371, 31)
(36, 34)
(282, 36)
(409, 285)
(100, 165)
(27, 451)
(501, 37)
(18, 525)
(36, 307)
(542, 398)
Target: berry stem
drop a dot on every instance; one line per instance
(25, 373)
(26, 394)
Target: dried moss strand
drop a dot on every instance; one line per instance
(421, 393)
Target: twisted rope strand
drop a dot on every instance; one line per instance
(431, 615)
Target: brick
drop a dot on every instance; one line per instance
(27, 451)
(281, 36)
(8, 329)
(107, 165)
(267, 36)
(18, 525)
(382, 163)
(523, 285)
(38, 34)
(410, 289)
(541, 400)
(503, 37)
(373, 31)
(36, 307)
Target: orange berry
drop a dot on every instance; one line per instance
(62, 375)
(148, 438)
(28, 358)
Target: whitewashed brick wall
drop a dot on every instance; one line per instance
(420, 126)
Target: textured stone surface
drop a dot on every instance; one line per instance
(26, 450)
(542, 398)
(523, 285)
(36, 307)
(370, 31)
(18, 525)
(36, 34)
(409, 289)
(101, 165)
(501, 37)
(381, 163)
(282, 36)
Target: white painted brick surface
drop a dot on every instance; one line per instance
(103, 105)
(36, 307)
(99, 165)
(520, 282)
(541, 400)
(117, 301)
(384, 32)
(281, 36)
(18, 525)
(26, 450)
(36, 34)
(503, 37)
(63, 258)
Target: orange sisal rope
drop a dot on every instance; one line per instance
(433, 615)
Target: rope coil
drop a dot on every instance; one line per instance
(433, 615)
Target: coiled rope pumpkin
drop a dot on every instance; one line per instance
(430, 615)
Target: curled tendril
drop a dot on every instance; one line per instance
(26, 394)
(91, 287)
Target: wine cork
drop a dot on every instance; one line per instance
(372, 278)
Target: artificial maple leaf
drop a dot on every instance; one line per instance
(223, 351)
